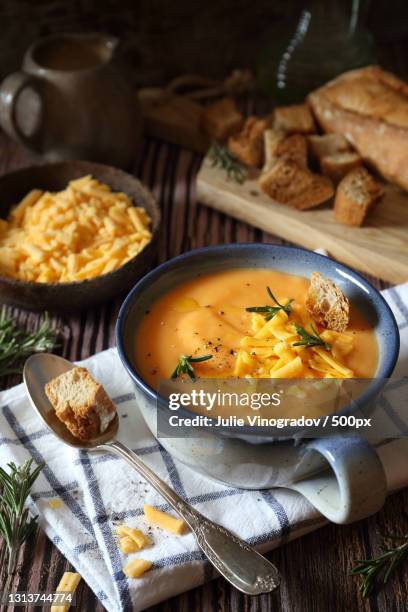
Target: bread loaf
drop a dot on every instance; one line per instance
(370, 108)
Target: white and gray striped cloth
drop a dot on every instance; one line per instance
(98, 491)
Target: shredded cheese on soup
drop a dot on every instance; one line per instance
(270, 351)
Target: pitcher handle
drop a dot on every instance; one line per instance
(353, 487)
(10, 91)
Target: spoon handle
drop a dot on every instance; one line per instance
(239, 563)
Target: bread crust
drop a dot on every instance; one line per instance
(370, 108)
(327, 304)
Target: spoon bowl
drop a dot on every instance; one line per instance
(39, 369)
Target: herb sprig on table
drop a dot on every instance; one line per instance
(270, 311)
(385, 564)
(308, 339)
(16, 344)
(222, 158)
(184, 365)
(16, 524)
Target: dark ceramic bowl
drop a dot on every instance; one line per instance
(81, 294)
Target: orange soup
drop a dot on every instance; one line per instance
(207, 316)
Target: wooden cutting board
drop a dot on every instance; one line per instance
(379, 248)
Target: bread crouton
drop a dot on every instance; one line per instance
(247, 145)
(338, 165)
(272, 139)
(289, 183)
(327, 304)
(221, 119)
(326, 144)
(356, 194)
(279, 146)
(294, 119)
(80, 403)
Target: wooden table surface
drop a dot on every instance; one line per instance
(315, 569)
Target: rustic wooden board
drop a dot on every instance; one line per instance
(379, 248)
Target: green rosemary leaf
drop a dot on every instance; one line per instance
(222, 158)
(270, 311)
(16, 524)
(386, 564)
(308, 339)
(16, 345)
(184, 365)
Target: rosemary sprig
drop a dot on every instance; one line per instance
(16, 344)
(15, 522)
(222, 158)
(270, 311)
(310, 339)
(385, 564)
(184, 365)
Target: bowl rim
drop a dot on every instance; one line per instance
(375, 386)
(16, 282)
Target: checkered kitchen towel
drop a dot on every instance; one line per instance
(99, 490)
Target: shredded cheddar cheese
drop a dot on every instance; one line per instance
(127, 545)
(270, 351)
(55, 503)
(164, 520)
(68, 584)
(138, 540)
(136, 568)
(81, 232)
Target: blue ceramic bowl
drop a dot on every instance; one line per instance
(253, 458)
(291, 260)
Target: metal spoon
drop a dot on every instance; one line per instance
(239, 563)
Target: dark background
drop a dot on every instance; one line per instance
(164, 38)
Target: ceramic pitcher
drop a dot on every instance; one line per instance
(72, 100)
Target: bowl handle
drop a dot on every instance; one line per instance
(352, 484)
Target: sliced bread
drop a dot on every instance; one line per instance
(81, 403)
(356, 194)
(327, 304)
(272, 139)
(326, 144)
(277, 146)
(338, 165)
(287, 182)
(296, 118)
(247, 145)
